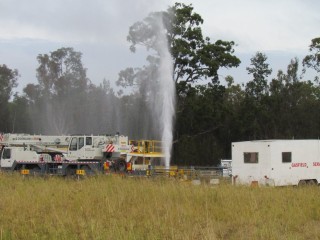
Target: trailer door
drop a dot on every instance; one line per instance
(293, 161)
(281, 167)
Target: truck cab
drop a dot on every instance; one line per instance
(9, 155)
(81, 147)
(92, 147)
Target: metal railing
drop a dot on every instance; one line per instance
(187, 173)
(146, 146)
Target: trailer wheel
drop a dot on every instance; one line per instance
(302, 183)
(312, 182)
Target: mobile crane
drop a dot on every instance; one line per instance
(63, 155)
(77, 154)
(30, 148)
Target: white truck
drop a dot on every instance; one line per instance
(276, 162)
(62, 155)
(94, 153)
(77, 154)
(26, 147)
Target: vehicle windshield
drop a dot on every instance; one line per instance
(6, 154)
(73, 144)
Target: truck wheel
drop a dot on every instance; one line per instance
(70, 172)
(87, 170)
(35, 170)
(121, 166)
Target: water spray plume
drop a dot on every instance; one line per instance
(167, 92)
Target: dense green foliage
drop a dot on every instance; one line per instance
(213, 116)
(210, 112)
(195, 57)
(8, 80)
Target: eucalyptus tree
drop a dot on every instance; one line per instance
(57, 102)
(196, 60)
(195, 57)
(255, 111)
(260, 70)
(313, 59)
(8, 81)
(299, 112)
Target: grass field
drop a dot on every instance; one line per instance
(111, 207)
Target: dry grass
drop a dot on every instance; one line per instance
(110, 207)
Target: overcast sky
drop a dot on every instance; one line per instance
(282, 29)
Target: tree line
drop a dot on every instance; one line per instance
(210, 112)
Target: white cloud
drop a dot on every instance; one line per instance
(99, 28)
(96, 28)
(14, 30)
(72, 21)
(261, 25)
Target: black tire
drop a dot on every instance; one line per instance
(302, 183)
(87, 170)
(70, 172)
(35, 170)
(312, 182)
(121, 165)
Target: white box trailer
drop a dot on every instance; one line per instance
(276, 162)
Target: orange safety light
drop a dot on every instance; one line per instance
(106, 166)
(129, 166)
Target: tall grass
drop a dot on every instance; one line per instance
(111, 207)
